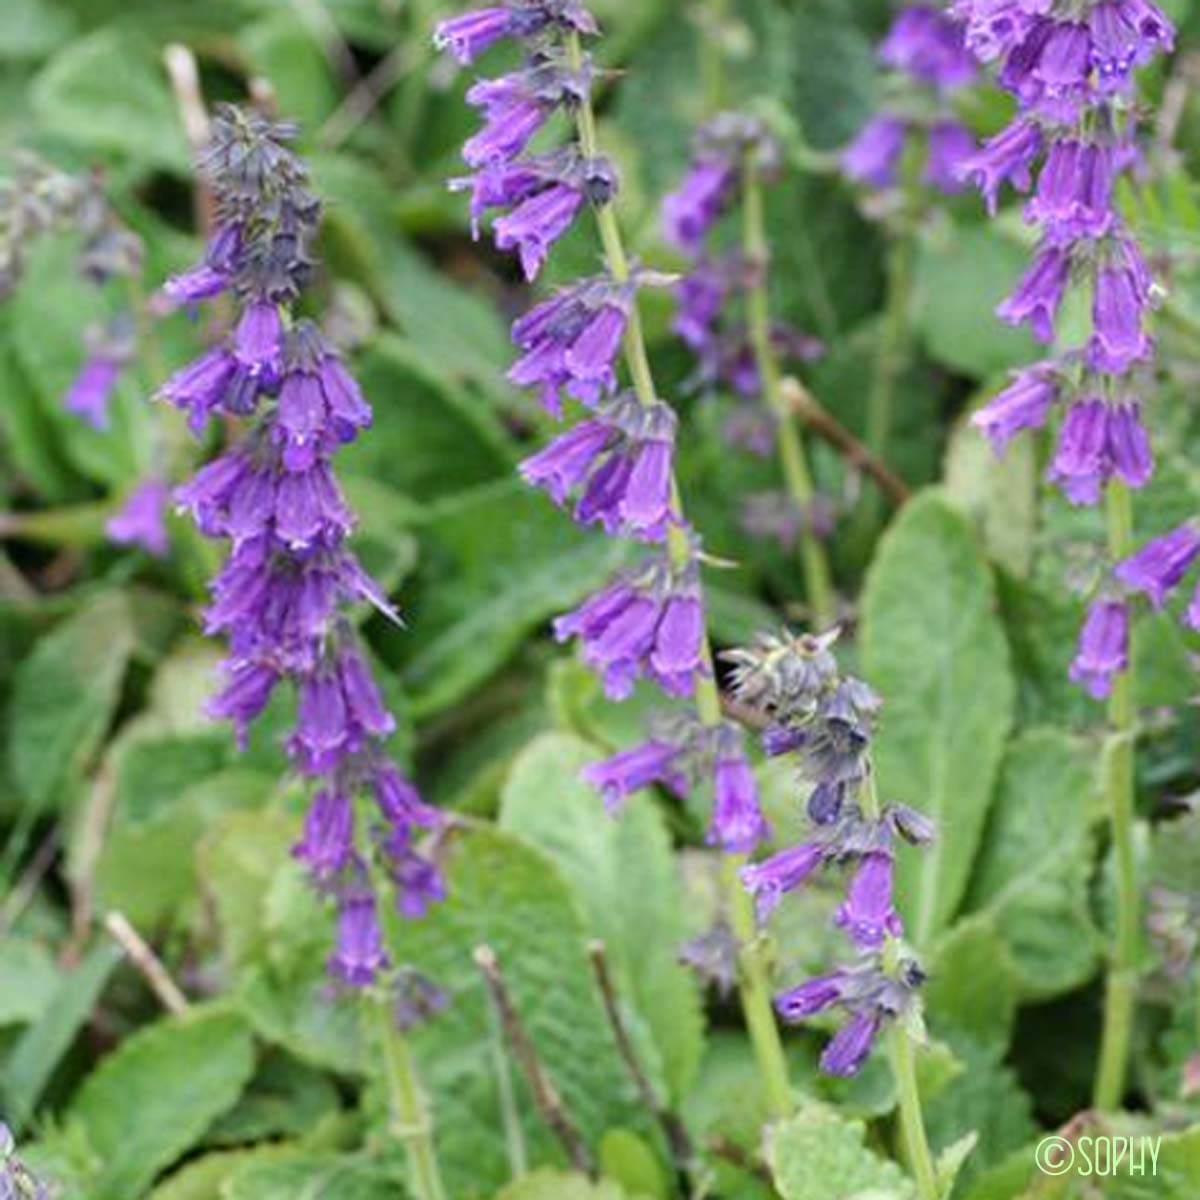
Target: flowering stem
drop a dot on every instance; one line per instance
(916, 1144)
(410, 1119)
(821, 598)
(1121, 985)
(900, 1055)
(754, 982)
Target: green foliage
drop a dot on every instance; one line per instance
(932, 644)
(818, 1155)
(546, 801)
(64, 695)
(177, 1077)
(505, 894)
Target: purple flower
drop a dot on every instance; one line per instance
(1097, 441)
(201, 282)
(1103, 649)
(140, 521)
(1125, 34)
(993, 27)
(89, 395)
(1040, 292)
(873, 156)
(1080, 460)
(399, 802)
(358, 954)
(536, 223)
(1159, 565)
(690, 212)
(508, 128)
(867, 914)
(327, 847)
(1048, 71)
(848, 1048)
(1024, 404)
(649, 627)
(619, 462)
(469, 35)
(618, 777)
(1074, 191)
(811, 997)
(951, 144)
(699, 297)
(258, 338)
(1008, 157)
(770, 880)
(737, 824)
(571, 341)
(1121, 296)
(245, 695)
(925, 43)
(200, 387)
(498, 187)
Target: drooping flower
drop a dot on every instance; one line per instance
(1103, 651)
(1040, 292)
(141, 520)
(867, 914)
(873, 157)
(1159, 566)
(738, 824)
(1024, 404)
(629, 771)
(282, 598)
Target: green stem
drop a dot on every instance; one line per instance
(410, 1119)
(912, 1126)
(1121, 985)
(755, 984)
(819, 585)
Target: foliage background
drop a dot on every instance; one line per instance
(116, 795)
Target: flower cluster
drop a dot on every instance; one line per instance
(925, 50)
(283, 595)
(16, 1180)
(1070, 67)
(710, 312)
(39, 199)
(615, 466)
(825, 719)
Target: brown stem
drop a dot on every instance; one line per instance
(364, 98)
(826, 426)
(22, 893)
(147, 962)
(93, 829)
(739, 1156)
(673, 1128)
(189, 99)
(545, 1094)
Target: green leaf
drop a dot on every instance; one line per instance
(558, 1185)
(1035, 861)
(64, 695)
(423, 419)
(37, 1052)
(284, 53)
(315, 1176)
(203, 1178)
(934, 649)
(818, 1155)
(106, 92)
(950, 1162)
(1000, 495)
(955, 309)
(973, 985)
(28, 980)
(626, 875)
(32, 28)
(501, 561)
(176, 1077)
(628, 1160)
(506, 894)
